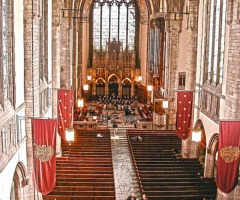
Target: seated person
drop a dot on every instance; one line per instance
(131, 197)
(144, 197)
(136, 138)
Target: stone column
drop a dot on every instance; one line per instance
(120, 89)
(172, 61)
(209, 163)
(106, 88)
(94, 88)
(31, 73)
(192, 151)
(191, 45)
(233, 71)
(132, 88)
(64, 53)
(56, 41)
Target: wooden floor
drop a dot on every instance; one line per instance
(162, 172)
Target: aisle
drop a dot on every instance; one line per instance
(124, 175)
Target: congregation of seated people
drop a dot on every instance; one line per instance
(118, 103)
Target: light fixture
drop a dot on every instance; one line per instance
(89, 77)
(139, 78)
(85, 87)
(69, 134)
(165, 104)
(80, 103)
(149, 88)
(196, 136)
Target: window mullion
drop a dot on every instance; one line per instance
(127, 29)
(110, 17)
(219, 42)
(101, 26)
(119, 22)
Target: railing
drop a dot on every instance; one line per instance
(12, 133)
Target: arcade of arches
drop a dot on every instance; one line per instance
(109, 52)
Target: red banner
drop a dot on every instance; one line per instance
(228, 155)
(44, 142)
(184, 114)
(65, 110)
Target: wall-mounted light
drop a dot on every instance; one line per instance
(80, 103)
(85, 87)
(149, 88)
(69, 134)
(196, 136)
(89, 77)
(139, 78)
(165, 104)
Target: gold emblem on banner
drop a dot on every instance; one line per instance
(229, 154)
(43, 152)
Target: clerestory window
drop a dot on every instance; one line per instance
(216, 40)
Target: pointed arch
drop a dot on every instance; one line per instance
(19, 181)
(199, 126)
(96, 81)
(145, 7)
(210, 169)
(213, 144)
(112, 75)
(127, 79)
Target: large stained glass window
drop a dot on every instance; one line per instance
(113, 20)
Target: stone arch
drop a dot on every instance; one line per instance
(127, 79)
(19, 182)
(145, 7)
(112, 75)
(113, 87)
(198, 149)
(199, 126)
(100, 79)
(213, 144)
(211, 155)
(127, 87)
(99, 87)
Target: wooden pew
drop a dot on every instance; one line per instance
(85, 171)
(161, 171)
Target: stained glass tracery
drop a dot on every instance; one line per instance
(113, 20)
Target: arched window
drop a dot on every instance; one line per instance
(113, 20)
(100, 88)
(216, 40)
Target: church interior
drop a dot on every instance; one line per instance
(108, 99)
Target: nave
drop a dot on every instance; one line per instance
(97, 168)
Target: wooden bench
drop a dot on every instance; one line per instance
(85, 171)
(161, 171)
